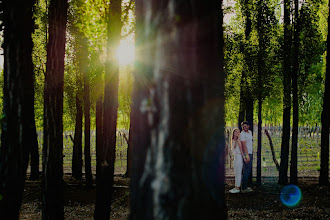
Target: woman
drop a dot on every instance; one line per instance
(236, 147)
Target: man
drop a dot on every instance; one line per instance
(246, 140)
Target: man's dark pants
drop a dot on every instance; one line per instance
(247, 171)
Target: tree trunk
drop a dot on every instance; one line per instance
(53, 207)
(325, 118)
(246, 100)
(87, 148)
(77, 143)
(261, 69)
(18, 104)
(283, 173)
(106, 161)
(99, 118)
(295, 116)
(242, 107)
(129, 152)
(139, 136)
(182, 101)
(259, 142)
(272, 149)
(249, 117)
(249, 110)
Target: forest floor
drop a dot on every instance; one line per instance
(263, 203)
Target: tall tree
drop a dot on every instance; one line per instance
(87, 106)
(324, 172)
(53, 204)
(139, 135)
(266, 27)
(283, 173)
(17, 122)
(261, 69)
(106, 161)
(99, 121)
(246, 99)
(295, 107)
(182, 64)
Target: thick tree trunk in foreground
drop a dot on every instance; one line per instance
(325, 118)
(106, 155)
(283, 173)
(53, 207)
(178, 165)
(139, 135)
(18, 104)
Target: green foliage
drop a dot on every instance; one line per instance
(310, 79)
(88, 20)
(233, 69)
(124, 99)
(39, 58)
(267, 28)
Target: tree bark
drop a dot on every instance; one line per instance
(139, 136)
(106, 160)
(325, 119)
(87, 106)
(246, 99)
(272, 149)
(283, 173)
(98, 117)
(77, 143)
(295, 116)
(18, 104)
(259, 142)
(182, 100)
(261, 71)
(129, 152)
(242, 107)
(52, 204)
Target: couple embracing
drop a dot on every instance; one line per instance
(241, 145)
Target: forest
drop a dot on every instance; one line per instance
(122, 109)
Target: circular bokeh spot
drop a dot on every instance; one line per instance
(290, 195)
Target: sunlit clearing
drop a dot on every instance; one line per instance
(125, 53)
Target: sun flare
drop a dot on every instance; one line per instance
(125, 53)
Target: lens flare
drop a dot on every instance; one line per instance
(291, 195)
(125, 54)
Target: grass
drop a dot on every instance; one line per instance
(308, 150)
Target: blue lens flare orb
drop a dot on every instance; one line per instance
(290, 195)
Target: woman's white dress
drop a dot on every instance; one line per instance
(238, 165)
